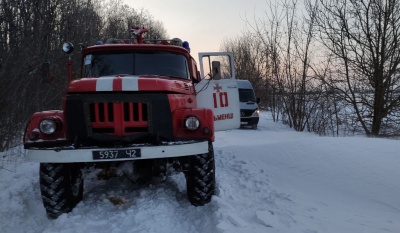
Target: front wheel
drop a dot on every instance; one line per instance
(61, 186)
(200, 179)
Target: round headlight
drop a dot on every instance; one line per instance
(192, 123)
(47, 126)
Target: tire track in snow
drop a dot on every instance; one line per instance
(245, 199)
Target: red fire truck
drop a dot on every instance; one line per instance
(136, 101)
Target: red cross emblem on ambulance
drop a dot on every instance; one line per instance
(217, 87)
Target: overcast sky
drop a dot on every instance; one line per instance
(204, 24)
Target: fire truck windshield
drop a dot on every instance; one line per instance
(172, 65)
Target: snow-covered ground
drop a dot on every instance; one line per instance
(269, 180)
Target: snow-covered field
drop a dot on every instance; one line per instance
(269, 180)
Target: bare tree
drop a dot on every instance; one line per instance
(119, 17)
(289, 39)
(363, 37)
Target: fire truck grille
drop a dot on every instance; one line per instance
(118, 119)
(101, 118)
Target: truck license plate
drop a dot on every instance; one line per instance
(116, 154)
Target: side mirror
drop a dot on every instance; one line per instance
(68, 47)
(216, 70)
(258, 100)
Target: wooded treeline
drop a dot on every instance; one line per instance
(31, 35)
(326, 66)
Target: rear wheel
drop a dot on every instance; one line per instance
(200, 179)
(61, 186)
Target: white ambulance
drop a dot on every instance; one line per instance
(249, 109)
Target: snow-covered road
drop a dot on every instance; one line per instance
(268, 180)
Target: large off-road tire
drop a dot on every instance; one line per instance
(61, 185)
(200, 178)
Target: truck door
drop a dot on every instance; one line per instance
(218, 89)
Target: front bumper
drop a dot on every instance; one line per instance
(71, 155)
(249, 121)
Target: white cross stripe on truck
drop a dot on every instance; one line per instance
(112, 83)
(130, 83)
(104, 83)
